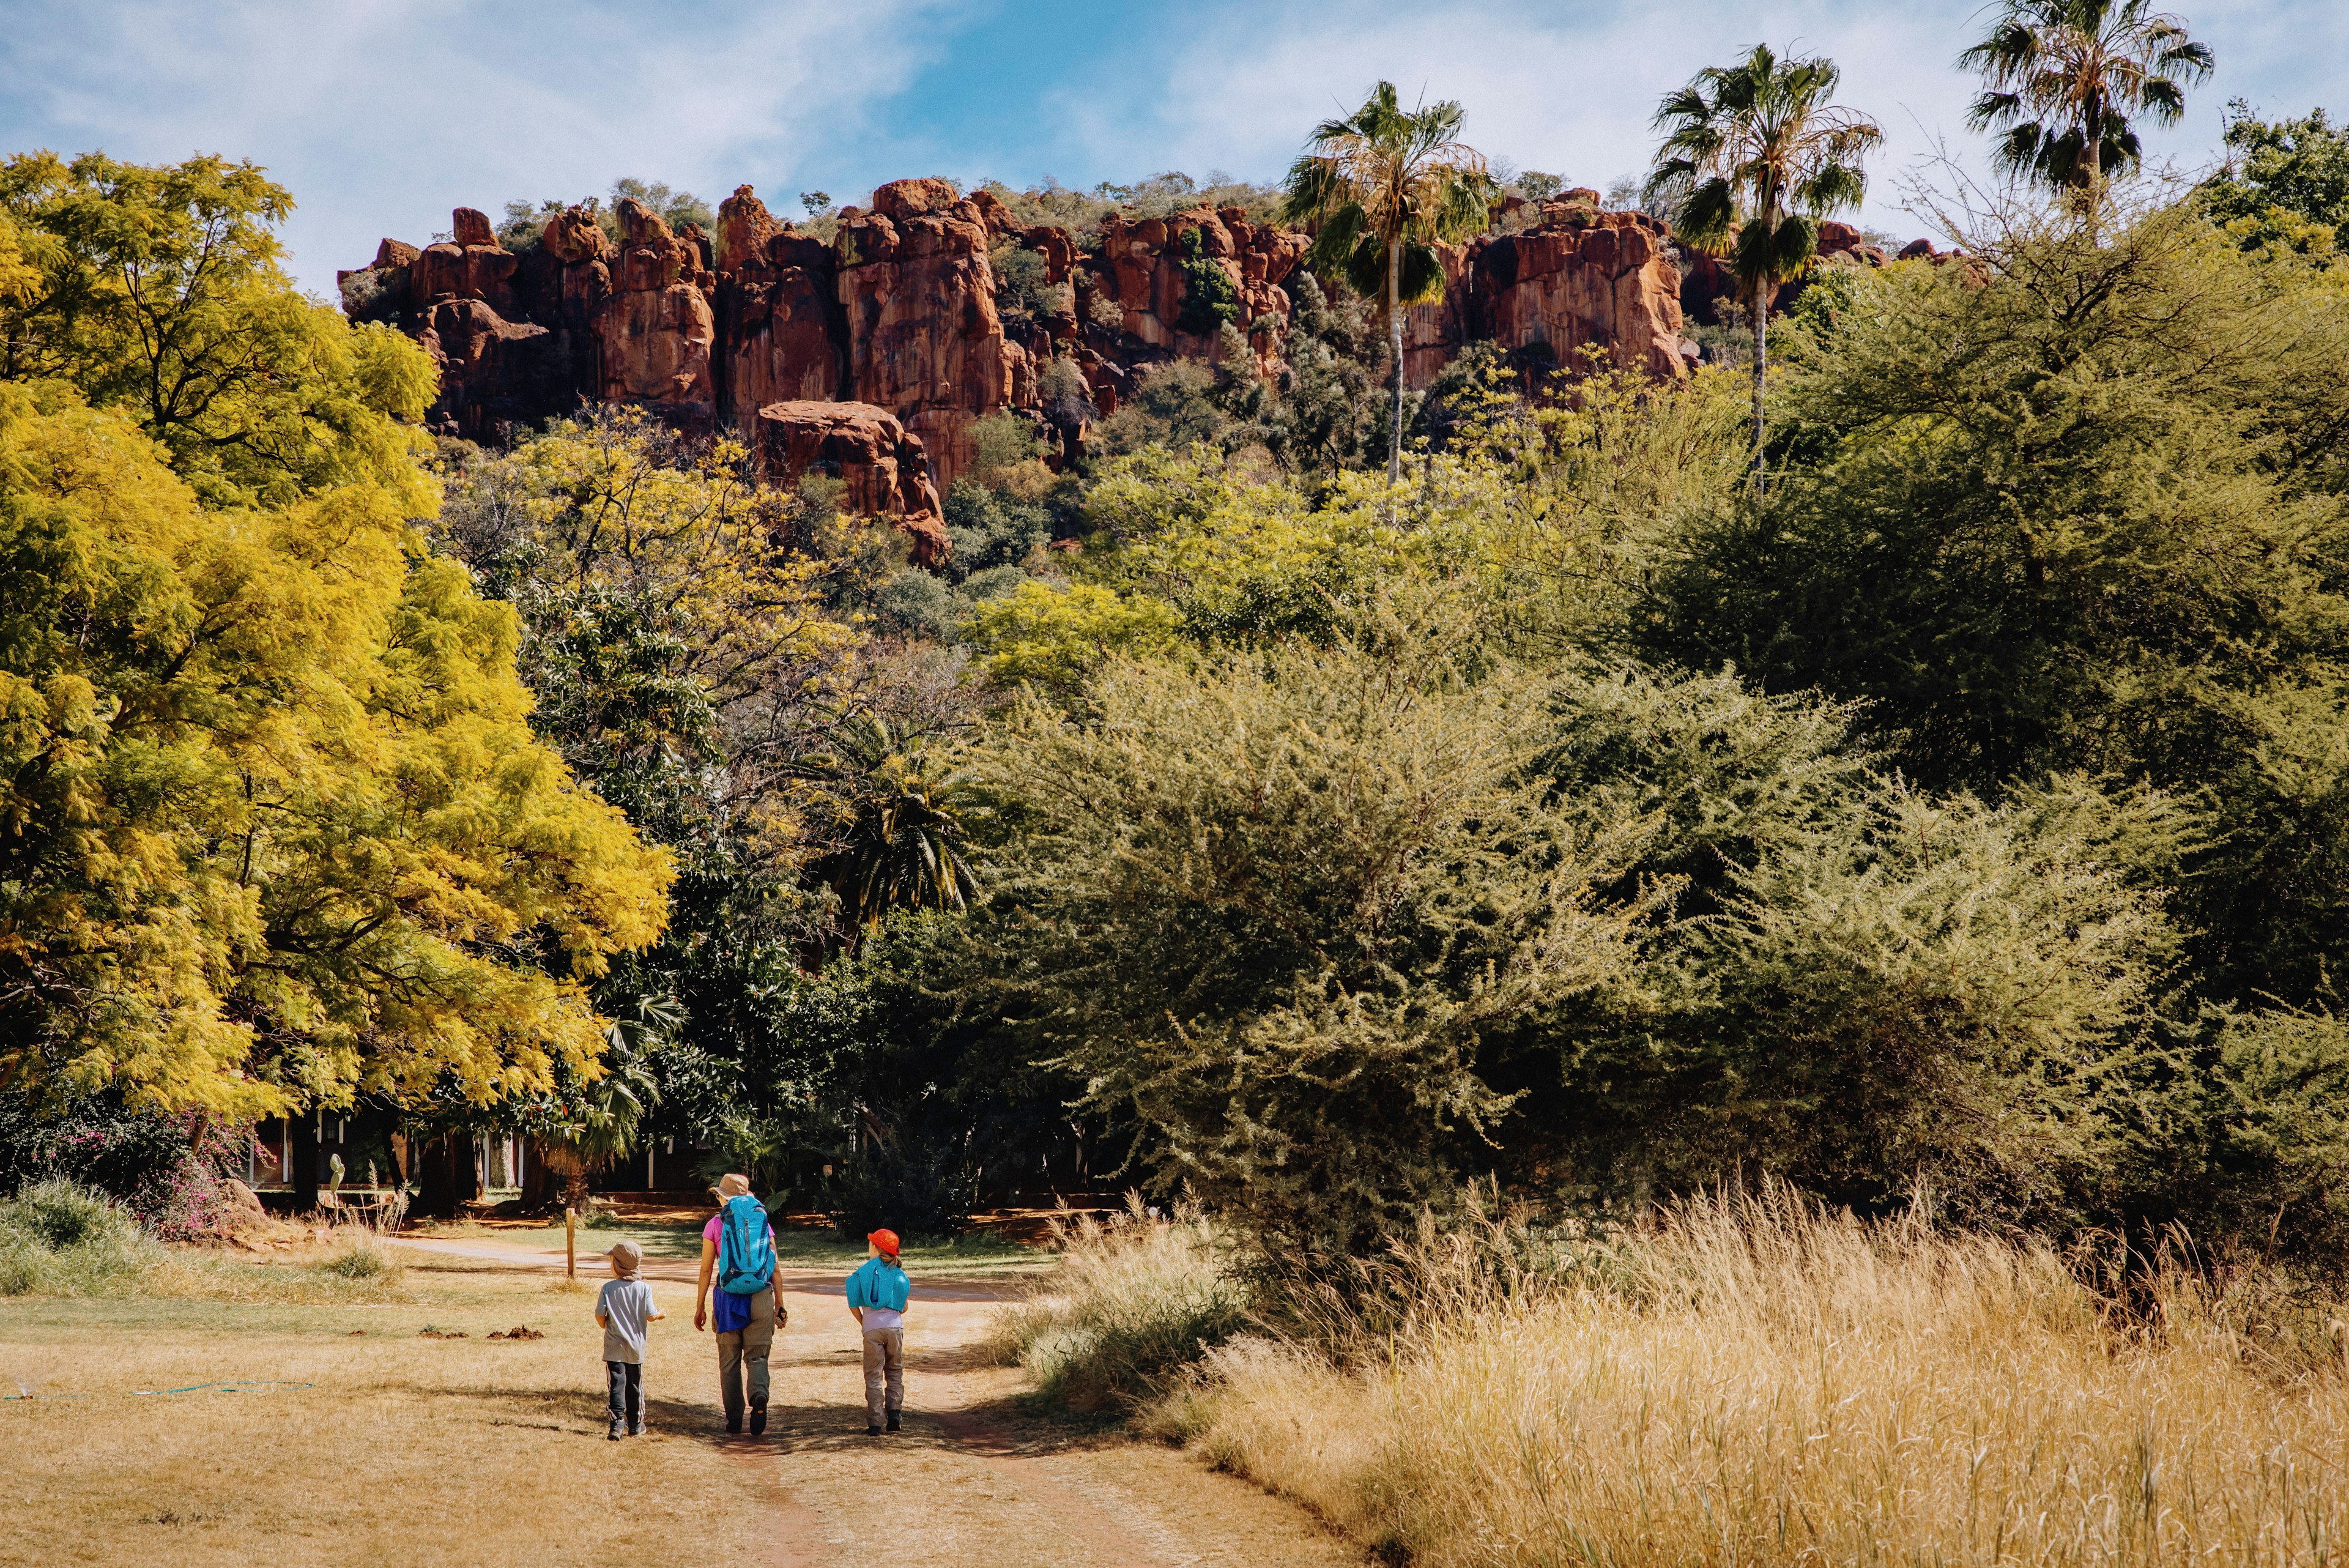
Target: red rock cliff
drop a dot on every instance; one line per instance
(899, 311)
(1579, 278)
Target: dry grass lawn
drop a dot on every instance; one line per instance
(1757, 1384)
(407, 1451)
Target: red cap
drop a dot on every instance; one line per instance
(885, 1239)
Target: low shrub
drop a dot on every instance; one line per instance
(1133, 1305)
(362, 1259)
(163, 1169)
(60, 1238)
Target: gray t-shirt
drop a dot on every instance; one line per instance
(625, 1306)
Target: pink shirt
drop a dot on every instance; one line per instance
(709, 1232)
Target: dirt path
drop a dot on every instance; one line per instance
(974, 1481)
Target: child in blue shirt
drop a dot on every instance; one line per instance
(877, 1293)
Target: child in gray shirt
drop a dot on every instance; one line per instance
(624, 1309)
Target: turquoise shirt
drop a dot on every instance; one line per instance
(879, 1284)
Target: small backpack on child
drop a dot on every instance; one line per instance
(746, 1257)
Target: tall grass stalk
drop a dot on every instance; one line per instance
(1758, 1382)
(1132, 1304)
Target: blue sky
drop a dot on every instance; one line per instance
(383, 114)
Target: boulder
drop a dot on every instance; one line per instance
(574, 235)
(473, 227)
(881, 462)
(1836, 238)
(744, 229)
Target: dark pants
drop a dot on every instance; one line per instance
(627, 1391)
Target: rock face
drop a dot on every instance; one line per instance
(1579, 279)
(924, 336)
(656, 331)
(784, 335)
(1140, 269)
(869, 451)
(897, 315)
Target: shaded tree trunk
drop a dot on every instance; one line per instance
(302, 1161)
(1761, 307)
(449, 1175)
(542, 1190)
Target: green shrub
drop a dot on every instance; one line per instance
(1210, 300)
(362, 1260)
(58, 1239)
(1135, 1304)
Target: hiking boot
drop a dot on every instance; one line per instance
(758, 1419)
(894, 1424)
(872, 1431)
(636, 1428)
(733, 1423)
(615, 1432)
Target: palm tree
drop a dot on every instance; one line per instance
(2067, 75)
(599, 1124)
(1387, 185)
(898, 827)
(1752, 157)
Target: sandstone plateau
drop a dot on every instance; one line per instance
(893, 321)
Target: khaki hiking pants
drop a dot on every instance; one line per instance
(748, 1344)
(884, 1370)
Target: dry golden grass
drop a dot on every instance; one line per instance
(407, 1451)
(1759, 1385)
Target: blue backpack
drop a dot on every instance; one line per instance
(746, 1257)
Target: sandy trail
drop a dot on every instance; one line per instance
(974, 1481)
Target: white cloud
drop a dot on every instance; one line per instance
(382, 114)
(1570, 89)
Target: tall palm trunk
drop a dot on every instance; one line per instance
(1761, 307)
(1394, 336)
(2091, 162)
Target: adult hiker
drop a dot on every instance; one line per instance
(739, 1246)
(877, 1298)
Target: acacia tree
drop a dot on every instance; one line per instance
(1753, 155)
(2066, 78)
(1387, 184)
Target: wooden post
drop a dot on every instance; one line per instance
(570, 1243)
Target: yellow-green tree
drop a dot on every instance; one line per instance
(274, 828)
(157, 290)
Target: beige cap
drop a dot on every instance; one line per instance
(627, 1257)
(732, 1186)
